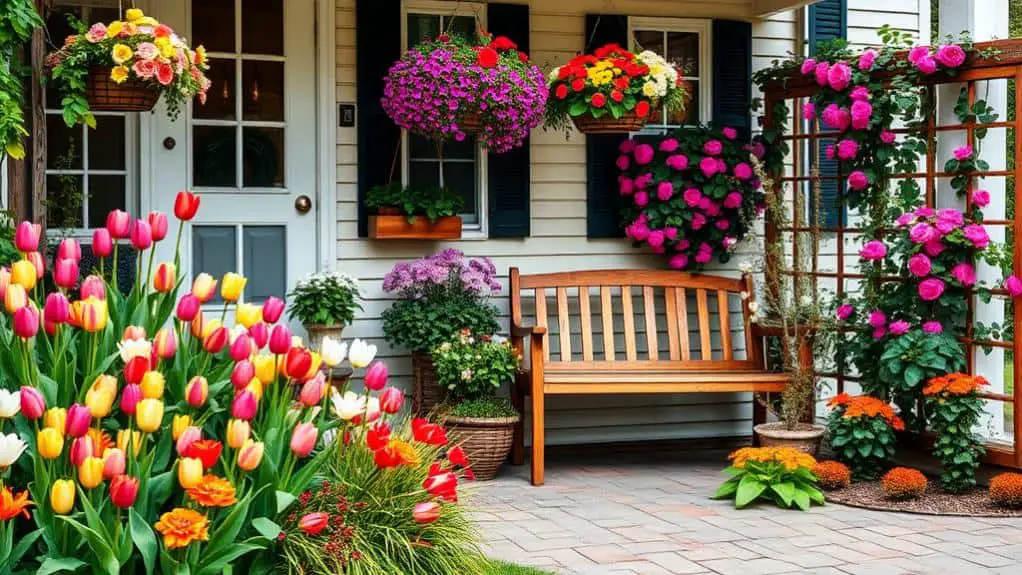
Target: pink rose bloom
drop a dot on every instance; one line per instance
(698, 221)
(873, 250)
(144, 69)
(927, 65)
(951, 55)
(951, 216)
(644, 180)
(721, 166)
(678, 261)
(692, 197)
(877, 318)
(836, 117)
(1013, 285)
(860, 93)
(847, 149)
(919, 265)
(829, 152)
(839, 75)
(704, 257)
(656, 238)
(930, 289)
(963, 153)
(729, 132)
(728, 242)
(669, 145)
(965, 273)
(809, 110)
(900, 327)
(677, 162)
(821, 71)
(808, 65)
(857, 180)
(845, 311)
(902, 220)
(623, 163)
(641, 198)
(879, 332)
(722, 225)
(147, 51)
(713, 209)
(887, 137)
(643, 154)
(664, 191)
(733, 200)
(933, 327)
(976, 234)
(713, 147)
(922, 233)
(683, 245)
(627, 146)
(705, 203)
(862, 112)
(933, 248)
(708, 166)
(925, 212)
(743, 171)
(640, 231)
(980, 198)
(96, 33)
(671, 233)
(866, 59)
(918, 53)
(626, 186)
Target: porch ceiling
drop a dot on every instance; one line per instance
(764, 8)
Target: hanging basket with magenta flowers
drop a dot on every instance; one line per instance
(126, 65)
(613, 91)
(451, 87)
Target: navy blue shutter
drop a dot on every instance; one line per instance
(828, 20)
(732, 75)
(508, 178)
(377, 45)
(603, 200)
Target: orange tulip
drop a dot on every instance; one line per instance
(250, 455)
(165, 278)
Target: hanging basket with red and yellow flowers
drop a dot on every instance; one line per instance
(613, 90)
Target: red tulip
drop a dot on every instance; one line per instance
(118, 223)
(242, 374)
(244, 405)
(216, 340)
(65, 272)
(165, 343)
(457, 457)
(378, 436)
(184, 441)
(186, 204)
(241, 348)
(93, 286)
(391, 400)
(314, 523)
(197, 391)
(26, 322)
(69, 249)
(297, 362)
(443, 484)
(81, 448)
(79, 417)
(123, 491)
(141, 235)
(38, 263)
(430, 433)
(130, 397)
(280, 339)
(135, 369)
(206, 450)
(426, 512)
(102, 243)
(303, 439)
(57, 309)
(273, 307)
(158, 225)
(32, 403)
(260, 335)
(188, 307)
(26, 236)
(376, 376)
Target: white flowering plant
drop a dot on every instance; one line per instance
(474, 367)
(328, 298)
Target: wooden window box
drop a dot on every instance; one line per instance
(395, 226)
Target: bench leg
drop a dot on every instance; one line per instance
(518, 447)
(537, 434)
(759, 415)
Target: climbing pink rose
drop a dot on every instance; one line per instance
(922, 233)
(847, 149)
(879, 332)
(948, 220)
(873, 250)
(643, 154)
(845, 311)
(728, 242)
(809, 110)
(713, 147)
(627, 146)
(713, 209)
(729, 132)
(703, 256)
(924, 212)
(899, 327)
(698, 221)
(733, 200)
(692, 197)
(641, 198)
(866, 59)
(678, 261)
(656, 238)
(829, 152)
(963, 153)
(887, 137)
(708, 166)
(877, 318)
(857, 180)
(664, 191)
(933, 327)
(933, 248)
(976, 234)
(839, 76)
(862, 112)
(677, 162)
(626, 186)
(951, 55)
(623, 163)
(965, 273)
(930, 289)
(671, 233)
(808, 65)
(927, 65)
(644, 180)
(821, 71)
(1013, 285)
(836, 117)
(903, 220)
(919, 265)
(918, 53)
(980, 198)
(743, 171)
(669, 145)
(859, 93)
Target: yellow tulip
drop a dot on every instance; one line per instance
(101, 395)
(94, 314)
(50, 443)
(135, 437)
(90, 472)
(149, 414)
(23, 274)
(62, 496)
(152, 385)
(247, 315)
(250, 455)
(55, 418)
(232, 286)
(238, 431)
(256, 387)
(179, 425)
(189, 472)
(264, 368)
(15, 298)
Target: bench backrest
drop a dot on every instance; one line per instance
(639, 318)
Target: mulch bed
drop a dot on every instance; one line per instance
(869, 495)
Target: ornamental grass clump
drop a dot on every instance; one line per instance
(780, 475)
(955, 408)
(862, 433)
(903, 483)
(832, 475)
(1006, 490)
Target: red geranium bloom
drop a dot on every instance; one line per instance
(578, 85)
(503, 43)
(642, 109)
(205, 450)
(561, 92)
(599, 100)
(622, 83)
(617, 96)
(564, 72)
(606, 51)
(488, 57)
(523, 57)
(426, 432)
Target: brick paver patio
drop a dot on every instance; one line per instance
(651, 514)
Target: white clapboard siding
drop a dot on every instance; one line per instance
(558, 210)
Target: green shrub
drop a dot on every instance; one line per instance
(483, 408)
(325, 298)
(422, 325)
(473, 366)
(862, 433)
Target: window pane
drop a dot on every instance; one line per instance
(421, 27)
(683, 52)
(64, 201)
(263, 157)
(220, 100)
(215, 156)
(214, 251)
(691, 114)
(264, 90)
(648, 40)
(419, 147)
(213, 25)
(262, 27)
(106, 144)
(106, 194)
(63, 144)
(265, 249)
(423, 174)
(461, 178)
(465, 150)
(464, 26)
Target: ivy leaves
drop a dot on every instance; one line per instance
(18, 18)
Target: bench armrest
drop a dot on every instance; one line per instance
(526, 331)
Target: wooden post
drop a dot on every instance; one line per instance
(38, 107)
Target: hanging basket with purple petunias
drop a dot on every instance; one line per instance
(452, 88)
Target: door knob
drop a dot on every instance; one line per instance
(169, 143)
(303, 204)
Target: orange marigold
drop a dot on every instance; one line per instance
(832, 474)
(903, 483)
(954, 384)
(213, 491)
(868, 406)
(839, 399)
(182, 526)
(12, 505)
(790, 458)
(1006, 490)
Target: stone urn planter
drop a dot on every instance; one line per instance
(486, 441)
(806, 438)
(318, 331)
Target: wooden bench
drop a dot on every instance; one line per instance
(702, 319)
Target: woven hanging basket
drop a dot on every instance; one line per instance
(105, 95)
(472, 124)
(426, 390)
(486, 441)
(608, 124)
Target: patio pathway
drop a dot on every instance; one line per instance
(650, 514)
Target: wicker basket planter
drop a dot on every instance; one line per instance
(608, 124)
(105, 95)
(426, 390)
(471, 125)
(486, 441)
(806, 438)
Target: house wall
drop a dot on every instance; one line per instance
(558, 193)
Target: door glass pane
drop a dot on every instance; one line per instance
(106, 144)
(106, 193)
(263, 155)
(214, 251)
(422, 27)
(64, 145)
(464, 26)
(213, 24)
(265, 249)
(220, 100)
(648, 40)
(215, 156)
(683, 52)
(263, 84)
(262, 25)
(64, 201)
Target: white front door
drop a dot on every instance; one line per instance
(250, 150)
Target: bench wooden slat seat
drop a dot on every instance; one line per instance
(691, 326)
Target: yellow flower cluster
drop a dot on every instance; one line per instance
(602, 73)
(790, 458)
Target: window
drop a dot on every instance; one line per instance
(89, 172)
(459, 166)
(686, 44)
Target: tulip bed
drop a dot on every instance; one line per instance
(148, 436)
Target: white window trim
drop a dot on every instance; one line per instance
(702, 27)
(480, 230)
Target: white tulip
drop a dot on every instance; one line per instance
(10, 403)
(132, 348)
(11, 448)
(349, 405)
(361, 353)
(373, 409)
(333, 351)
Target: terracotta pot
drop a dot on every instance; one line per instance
(426, 390)
(318, 331)
(608, 124)
(132, 95)
(486, 441)
(806, 438)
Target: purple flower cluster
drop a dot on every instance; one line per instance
(443, 273)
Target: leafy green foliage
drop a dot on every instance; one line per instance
(432, 202)
(18, 18)
(325, 299)
(770, 481)
(424, 324)
(475, 366)
(864, 443)
(483, 408)
(953, 418)
(910, 360)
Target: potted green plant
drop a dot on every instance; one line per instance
(438, 296)
(324, 303)
(472, 369)
(414, 213)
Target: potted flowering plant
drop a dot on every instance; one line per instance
(472, 369)
(414, 213)
(126, 66)
(613, 90)
(325, 303)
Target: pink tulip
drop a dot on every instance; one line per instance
(38, 263)
(32, 403)
(313, 390)
(79, 417)
(123, 491)
(280, 339)
(303, 439)
(158, 225)
(242, 374)
(118, 223)
(26, 236)
(391, 400)
(93, 286)
(273, 307)
(141, 235)
(216, 340)
(69, 249)
(188, 307)
(114, 463)
(260, 335)
(5, 281)
(241, 348)
(65, 273)
(130, 397)
(184, 441)
(197, 391)
(165, 343)
(376, 376)
(57, 309)
(102, 243)
(244, 405)
(426, 512)
(26, 322)
(81, 448)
